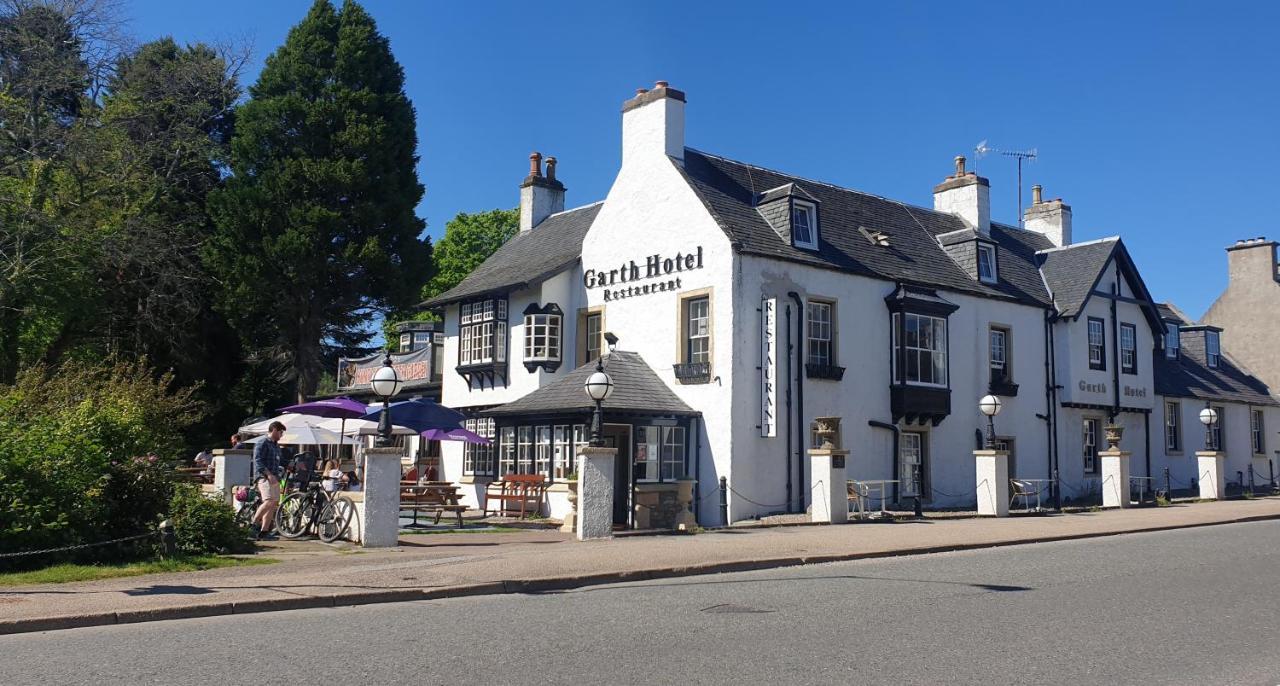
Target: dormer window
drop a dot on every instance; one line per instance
(804, 225)
(987, 263)
(1172, 341)
(1212, 351)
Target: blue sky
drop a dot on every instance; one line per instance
(1156, 121)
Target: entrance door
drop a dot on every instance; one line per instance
(911, 464)
(619, 436)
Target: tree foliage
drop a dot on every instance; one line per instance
(469, 239)
(317, 230)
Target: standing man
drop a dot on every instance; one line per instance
(266, 463)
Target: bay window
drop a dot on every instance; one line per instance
(542, 337)
(920, 349)
(482, 335)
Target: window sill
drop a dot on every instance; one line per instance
(693, 372)
(549, 365)
(823, 371)
(1005, 389)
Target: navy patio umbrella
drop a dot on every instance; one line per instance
(420, 415)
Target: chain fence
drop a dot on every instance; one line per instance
(79, 546)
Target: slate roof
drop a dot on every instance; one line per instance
(637, 390)
(913, 255)
(1072, 271)
(1189, 376)
(528, 258)
(1172, 314)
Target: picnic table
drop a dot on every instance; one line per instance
(430, 496)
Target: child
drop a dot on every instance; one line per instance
(334, 479)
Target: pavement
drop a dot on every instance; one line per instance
(432, 566)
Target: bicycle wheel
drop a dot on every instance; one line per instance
(291, 518)
(244, 515)
(336, 518)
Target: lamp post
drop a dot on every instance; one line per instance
(386, 384)
(1208, 417)
(599, 386)
(990, 406)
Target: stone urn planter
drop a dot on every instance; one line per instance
(685, 519)
(829, 432)
(1113, 435)
(571, 517)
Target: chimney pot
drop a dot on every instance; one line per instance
(959, 165)
(1035, 194)
(641, 91)
(535, 164)
(660, 84)
(551, 169)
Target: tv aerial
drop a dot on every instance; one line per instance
(983, 148)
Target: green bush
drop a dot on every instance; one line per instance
(204, 525)
(74, 446)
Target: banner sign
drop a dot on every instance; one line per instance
(769, 367)
(356, 373)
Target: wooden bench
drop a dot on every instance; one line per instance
(515, 495)
(431, 497)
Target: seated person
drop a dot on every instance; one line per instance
(334, 478)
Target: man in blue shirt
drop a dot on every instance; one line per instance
(266, 467)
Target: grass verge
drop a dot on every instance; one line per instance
(67, 573)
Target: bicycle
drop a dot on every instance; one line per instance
(330, 514)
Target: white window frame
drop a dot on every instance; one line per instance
(1128, 348)
(477, 458)
(1258, 432)
(998, 354)
(660, 452)
(1099, 346)
(992, 273)
(542, 337)
(542, 461)
(937, 352)
(809, 211)
(482, 333)
(1173, 426)
(820, 338)
(421, 339)
(593, 322)
(1089, 444)
(525, 442)
(1172, 341)
(697, 330)
(1216, 429)
(911, 443)
(1212, 349)
(507, 451)
(406, 342)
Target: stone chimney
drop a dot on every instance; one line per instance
(540, 196)
(1050, 218)
(967, 196)
(653, 124)
(1252, 262)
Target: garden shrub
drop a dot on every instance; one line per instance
(204, 525)
(74, 442)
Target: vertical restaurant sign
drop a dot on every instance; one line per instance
(769, 367)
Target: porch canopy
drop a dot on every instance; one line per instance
(637, 390)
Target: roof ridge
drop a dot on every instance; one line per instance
(820, 183)
(1112, 239)
(573, 209)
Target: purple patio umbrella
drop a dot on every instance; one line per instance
(341, 407)
(455, 435)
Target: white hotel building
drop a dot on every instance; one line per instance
(747, 302)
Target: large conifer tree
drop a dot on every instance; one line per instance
(317, 231)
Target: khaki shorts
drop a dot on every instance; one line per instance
(269, 490)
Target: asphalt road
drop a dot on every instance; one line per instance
(1192, 606)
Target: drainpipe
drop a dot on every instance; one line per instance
(1115, 340)
(896, 432)
(1048, 398)
(1053, 387)
(790, 389)
(1146, 426)
(695, 433)
(799, 369)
